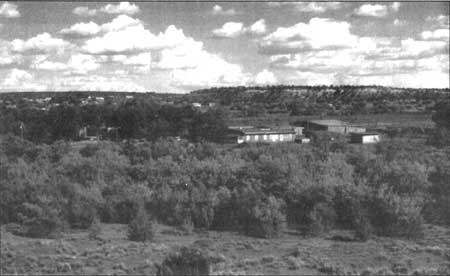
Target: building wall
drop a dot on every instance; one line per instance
(366, 139)
(266, 138)
(370, 139)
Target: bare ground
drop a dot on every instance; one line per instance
(113, 253)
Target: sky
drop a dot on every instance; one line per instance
(178, 47)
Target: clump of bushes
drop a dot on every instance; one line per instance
(40, 221)
(142, 227)
(186, 261)
(265, 219)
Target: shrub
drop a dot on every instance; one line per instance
(394, 215)
(265, 219)
(439, 209)
(95, 229)
(322, 218)
(141, 228)
(40, 221)
(187, 261)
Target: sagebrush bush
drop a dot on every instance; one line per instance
(40, 221)
(265, 220)
(142, 227)
(95, 229)
(395, 215)
(186, 261)
(322, 218)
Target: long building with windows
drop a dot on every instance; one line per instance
(261, 135)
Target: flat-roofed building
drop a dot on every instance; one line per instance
(261, 135)
(332, 125)
(365, 138)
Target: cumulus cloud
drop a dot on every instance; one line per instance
(258, 28)
(79, 64)
(235, 29)
(218, 10)
(265, 77)
(440, 21)
(84, 11)
(374, 10)
(7, 57)
(81, 30)
(230, 30)
(317, 7)
(41, 43)
(439, 34)
(120, 8)
(317, 34)
(181, 59)
(303, 58)
(20, 80)
(9, 10)
(309, 7)
(398, 22)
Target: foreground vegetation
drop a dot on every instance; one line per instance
(388, 189)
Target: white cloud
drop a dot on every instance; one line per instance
(398, 22)
(375, 10)
(180, 59)
(395, 6)
(440, 21)
(317, 34)
(77, 63)
(42, 43)
(230, 30)
(218, 10)
(20, 80)
(309, 7)
(317, 7)
(84, 11)
(258, 28)
(7, 57)
(9, 10)
(91, 29)
(235, 29)
(265, 77)
(82, 64)
(82, 30)
(439, 34)
(298, 56)
(121, 8)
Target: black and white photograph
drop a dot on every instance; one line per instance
(203, 138)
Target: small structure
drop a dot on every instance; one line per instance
(364, 138)
(260, 135)
(302, 139)
(197, 105)
(332, 125)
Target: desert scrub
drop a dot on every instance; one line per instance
(265, 219)
(187, 261)
(95, 229)
(141, 228)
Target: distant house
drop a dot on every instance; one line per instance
(365, 138)
(260, 135)
(332, 125)
(98, 133)
(197, 105)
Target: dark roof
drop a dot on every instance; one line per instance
(329, 122)
(364, 133)
(255, 131)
